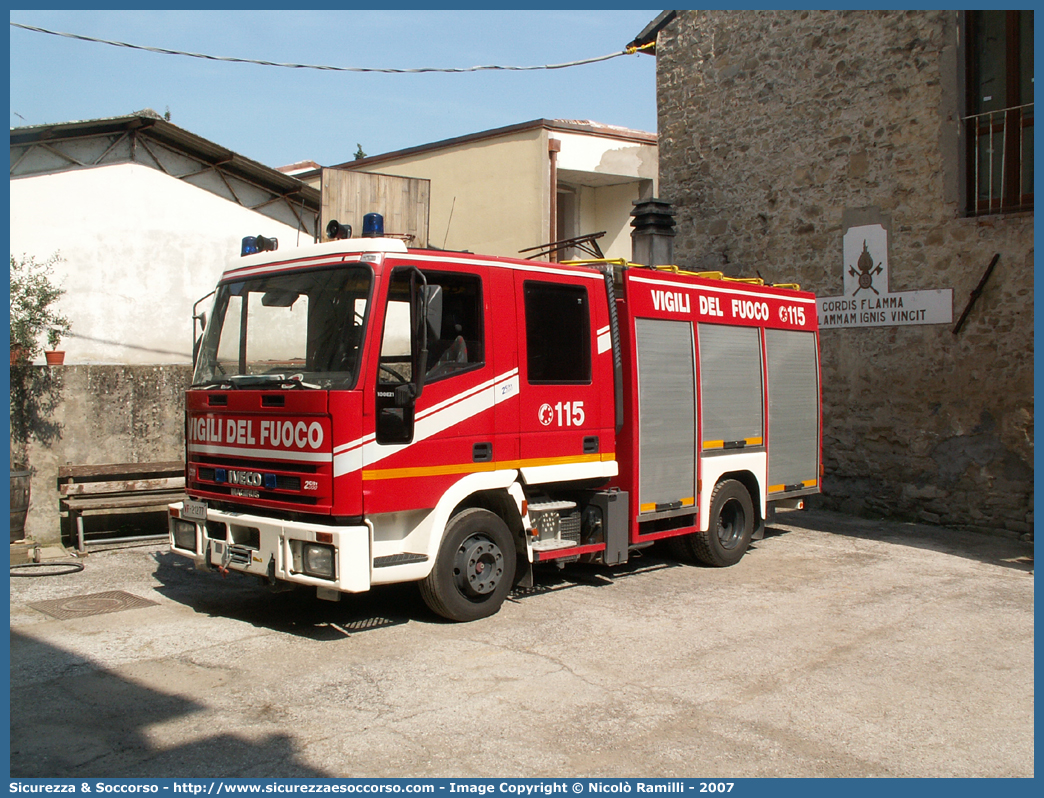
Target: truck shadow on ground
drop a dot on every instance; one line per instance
(299, 612)
(549, 578)
(981, 547)
(85, 721)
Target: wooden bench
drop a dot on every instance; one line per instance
(117, 486)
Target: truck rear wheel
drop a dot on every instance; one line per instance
(474, 569)
(730, 529)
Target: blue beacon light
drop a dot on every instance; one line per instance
(373, 225)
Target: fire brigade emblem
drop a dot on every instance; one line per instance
(546, 414)
(866, 271)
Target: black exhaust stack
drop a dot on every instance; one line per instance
(652, 239)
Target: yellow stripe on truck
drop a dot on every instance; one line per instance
(808, 483)
(689, 501)
(373, 474)
(721, 444)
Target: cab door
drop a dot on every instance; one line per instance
(418, 452)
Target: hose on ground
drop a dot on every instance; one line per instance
(67, 568)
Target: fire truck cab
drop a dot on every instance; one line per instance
(364, 414)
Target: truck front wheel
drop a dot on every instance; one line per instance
(731, 526)
(474, 569)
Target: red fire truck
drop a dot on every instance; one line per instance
(362, 413)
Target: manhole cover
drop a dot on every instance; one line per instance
(95, 604)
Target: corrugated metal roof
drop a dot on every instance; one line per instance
(151, 124)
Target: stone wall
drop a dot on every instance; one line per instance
(776, 126)
(93, 415)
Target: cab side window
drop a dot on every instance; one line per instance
(455, 332)
(455, 338)
(558, 334)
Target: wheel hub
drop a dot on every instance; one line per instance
(731, 522)
(478, 566)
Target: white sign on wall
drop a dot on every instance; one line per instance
(867, 302)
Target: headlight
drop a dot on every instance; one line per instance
(184, 534)
(319, 560)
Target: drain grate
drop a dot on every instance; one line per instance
(65, 609)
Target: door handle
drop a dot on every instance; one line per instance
(482, 452)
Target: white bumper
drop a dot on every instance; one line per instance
(265, 547)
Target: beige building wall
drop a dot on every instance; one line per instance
(488, 196)
(607, 175)
(604, 160)
(491, 192)
(609, 208)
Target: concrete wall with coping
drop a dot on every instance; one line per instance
(780, 129)
(94, 415)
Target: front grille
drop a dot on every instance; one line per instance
(208, 461)
(283, 481)
(215, 530)
(305, 486)
(269, 495)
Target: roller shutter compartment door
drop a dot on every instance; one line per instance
(731, 387)
(793, 398)
(667, 416)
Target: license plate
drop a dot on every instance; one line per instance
(193, 510)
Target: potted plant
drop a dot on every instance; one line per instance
(34, 392)
(54, 356)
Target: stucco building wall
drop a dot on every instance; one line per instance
(138, 249)
(777, 130)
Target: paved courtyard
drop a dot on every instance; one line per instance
(837, 647)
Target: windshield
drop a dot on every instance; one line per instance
(303, 329)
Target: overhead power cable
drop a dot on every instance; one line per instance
(164, 51)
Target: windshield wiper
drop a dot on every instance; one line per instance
(238, 381)
(282, 380)
(224, 382)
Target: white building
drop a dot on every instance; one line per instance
(145, 216)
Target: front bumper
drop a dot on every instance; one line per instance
(272, 549)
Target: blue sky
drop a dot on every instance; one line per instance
(278, 116)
